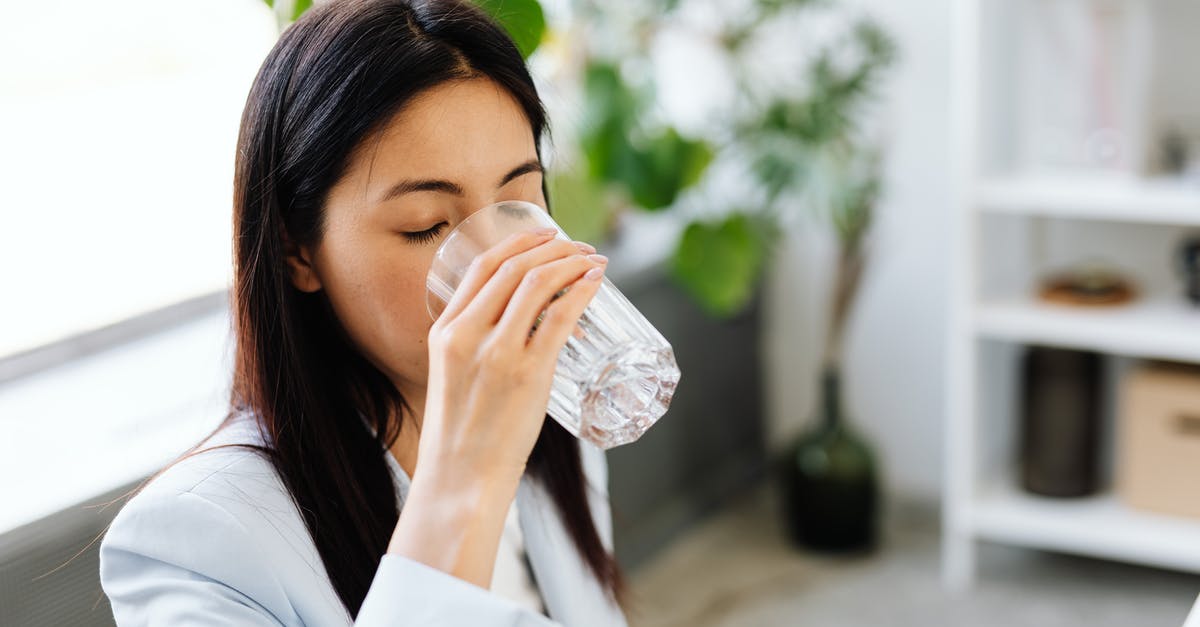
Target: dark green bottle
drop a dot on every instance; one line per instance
(830, 482)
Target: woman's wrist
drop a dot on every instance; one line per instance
(457, 485)
(452, 520)
(447, 468)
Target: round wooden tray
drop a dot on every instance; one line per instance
(1068, 291)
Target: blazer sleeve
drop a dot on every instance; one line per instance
(181, 559)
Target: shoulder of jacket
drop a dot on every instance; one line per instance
(223, 487)
(228, 460)
(223, 514)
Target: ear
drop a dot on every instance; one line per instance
(300, 266)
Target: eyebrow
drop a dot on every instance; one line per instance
(448, 187)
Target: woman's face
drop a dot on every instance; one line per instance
(453, 150)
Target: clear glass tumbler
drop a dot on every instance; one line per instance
(616, 375)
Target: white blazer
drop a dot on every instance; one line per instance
(216, 540)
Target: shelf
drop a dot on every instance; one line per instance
(1098, 526)
(996, 241)
(1154, 330)
(1112, 198)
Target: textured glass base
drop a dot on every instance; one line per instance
(631, 395)
(615, 377)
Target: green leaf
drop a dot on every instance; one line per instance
(578, 206)
(610, 114)
(607, 94)
(652, 171)
(772, 7)
(299, 8)
(667, 165)
(878, 46)
(837, 90)
(777, 169)
(270, 3)
(523, 19)
(719, 264)
(694, 158)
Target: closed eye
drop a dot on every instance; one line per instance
(426, 236)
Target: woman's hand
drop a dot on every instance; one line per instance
(486, 396)
(489, 379)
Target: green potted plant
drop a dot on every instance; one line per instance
(829, 475)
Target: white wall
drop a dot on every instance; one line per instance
(895, 345)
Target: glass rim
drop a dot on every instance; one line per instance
(457, 231)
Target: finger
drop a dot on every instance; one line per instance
(484, 266)
(540, 286)
(489, 304)
(562, 317)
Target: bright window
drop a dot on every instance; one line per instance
(118, 124)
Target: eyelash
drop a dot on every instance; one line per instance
(426, 236)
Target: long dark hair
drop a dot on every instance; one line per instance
(333, 79)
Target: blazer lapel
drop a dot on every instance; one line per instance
(572, 594)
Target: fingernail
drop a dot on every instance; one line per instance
(598, 258)
(585, 247)
(594, 274)
(546, 230)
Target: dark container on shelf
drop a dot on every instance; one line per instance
(1189, 268)
(1060, 424)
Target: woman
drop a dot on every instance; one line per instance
(377, 467)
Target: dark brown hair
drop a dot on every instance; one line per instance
(331, 82)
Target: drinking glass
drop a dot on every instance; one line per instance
(616, 375)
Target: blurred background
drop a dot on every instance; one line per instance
(931, 270)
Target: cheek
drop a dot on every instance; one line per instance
(377, 287)
(405, 288)
(400, 319)
(403, 326)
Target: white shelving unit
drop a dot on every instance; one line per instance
(1154, 330)
(1098, 526)
(1123, 200)
(981, 500)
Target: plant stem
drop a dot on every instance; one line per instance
(849, 274)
